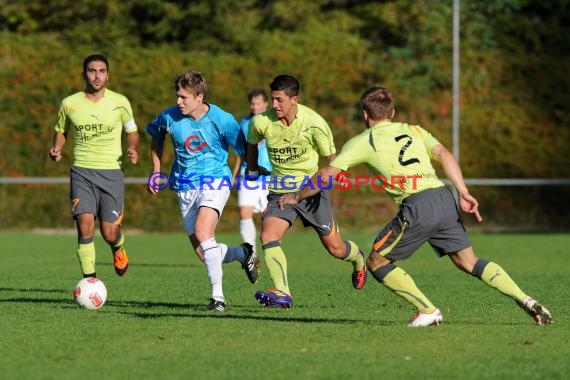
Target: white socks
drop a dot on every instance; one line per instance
(213, 261)
(232, 253)
(247, 231)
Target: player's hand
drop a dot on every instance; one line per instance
(288, 199)
(156, 182)
(55, 154)
(469, 204)
(263, 171)
(133, 155)
(253, 175)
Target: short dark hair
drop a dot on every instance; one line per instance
(286, 83)
(378, 102)
(93, 58)
(257, 92)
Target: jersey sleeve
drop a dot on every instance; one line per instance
(62, 123)
(351, 154)
(427, 138)
(323, 137)
(127, 118)
(158, 128)
(234, 134)
(256, 129)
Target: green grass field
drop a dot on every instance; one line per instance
(155, 326)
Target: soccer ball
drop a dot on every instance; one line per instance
(90, 293)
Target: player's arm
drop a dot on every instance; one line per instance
(451, 168)
(133, 144)
(321, 180)
(59, 139)
(156, 148)
(237, 166)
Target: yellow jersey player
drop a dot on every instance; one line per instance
(295, 136)
(97, 117)
(428, 211)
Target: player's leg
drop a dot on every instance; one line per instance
(111, 189)
(395, 242)
(274, 224)
(246, 203)
(83, 202)
(318, 213)
(206, 221)
(347, 250)
(496, 277)
(85, 224)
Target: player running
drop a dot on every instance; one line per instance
(428, 211)
(295, 135)
(97, 117)
(201, 134)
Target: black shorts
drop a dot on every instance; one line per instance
(430, 215)
(98, 191)
(316, 212)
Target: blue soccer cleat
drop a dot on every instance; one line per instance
(274, 298)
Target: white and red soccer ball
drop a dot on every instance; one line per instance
(90, 293)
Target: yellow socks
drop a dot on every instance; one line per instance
(118, 244)
(86, 255)
(353, 255)
(276, 265)
(496, 277)
(403, 285)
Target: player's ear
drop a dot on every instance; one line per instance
(393, 113)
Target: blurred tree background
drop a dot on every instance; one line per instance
(515, 75)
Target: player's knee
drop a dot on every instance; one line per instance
(375, 261)
(111, 237)
(380, 272)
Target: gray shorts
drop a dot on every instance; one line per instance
(316, 212)
(430, 215)
(98, 191)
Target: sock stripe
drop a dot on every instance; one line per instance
(282, 272)
(413, 296)
(271, 244)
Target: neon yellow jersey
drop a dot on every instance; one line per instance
(96, 128)
(398, 154)
(294, 150)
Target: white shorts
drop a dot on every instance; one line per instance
(191, 200)
(255, 196)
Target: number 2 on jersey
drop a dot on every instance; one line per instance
(403, 151)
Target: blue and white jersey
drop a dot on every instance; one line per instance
(262, 157)
(200, 147)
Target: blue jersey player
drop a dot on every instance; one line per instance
(201, 134)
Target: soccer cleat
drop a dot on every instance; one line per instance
(121, 261)
(538, 312)
(216, 305)
(274, 298)
(359, 276)
(426, 319)
(248, 264)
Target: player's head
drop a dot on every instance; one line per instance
(191, 90)
(192, 82)
(284, 95)
(257, 101)
(286, 83)
(95, 72)
(377, 104)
